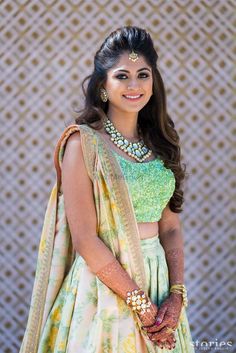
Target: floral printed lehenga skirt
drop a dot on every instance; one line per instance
(78, 323)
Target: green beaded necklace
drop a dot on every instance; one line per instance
(137, 150)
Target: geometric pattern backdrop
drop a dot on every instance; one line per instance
(47, 48)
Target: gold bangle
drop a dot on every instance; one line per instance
(138, 300)
(180, 289)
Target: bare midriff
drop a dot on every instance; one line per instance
(147, 229)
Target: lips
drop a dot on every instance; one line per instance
(132, 97)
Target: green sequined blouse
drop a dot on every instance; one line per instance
(151, 185)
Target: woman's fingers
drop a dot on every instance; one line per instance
(155, 336)
(160, 315)
(156, 327)
(151, 329)
(160, 335)
(169, 343)
(160, 319)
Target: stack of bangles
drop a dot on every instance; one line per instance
(180, 289)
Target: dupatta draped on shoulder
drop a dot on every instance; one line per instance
(117, 227)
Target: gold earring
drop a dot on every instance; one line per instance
(103, 95)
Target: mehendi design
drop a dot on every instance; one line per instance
(116, 278)
(175, 262)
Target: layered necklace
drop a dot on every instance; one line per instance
(138, 150)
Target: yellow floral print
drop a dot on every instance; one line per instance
(56, 315)
(129, 344)
(62, 345)
(52, 337)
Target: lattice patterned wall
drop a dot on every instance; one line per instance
(47, 48)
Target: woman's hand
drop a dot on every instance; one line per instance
(149, 319)
(167, 317)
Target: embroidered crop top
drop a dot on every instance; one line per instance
(151, 185)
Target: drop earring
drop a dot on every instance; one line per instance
(103, 95)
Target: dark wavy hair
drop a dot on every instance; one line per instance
(157, 128)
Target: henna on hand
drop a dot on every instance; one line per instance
(169, 312)
(175, 262)
(168, 343)
(149, 318)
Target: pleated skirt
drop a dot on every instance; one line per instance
(88, 317)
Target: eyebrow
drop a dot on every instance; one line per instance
(144, 68)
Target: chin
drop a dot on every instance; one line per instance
(134, 109)
(137, 110)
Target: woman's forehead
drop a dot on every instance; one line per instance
(124, 63)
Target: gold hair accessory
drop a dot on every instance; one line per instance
(180, 289)
(133, 56)
(103, 95)
(138, 300)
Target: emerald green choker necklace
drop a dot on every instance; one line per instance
(137, 150)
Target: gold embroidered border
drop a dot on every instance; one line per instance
(127, 212)
(31, 340)
(33, 329)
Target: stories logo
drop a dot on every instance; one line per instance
(212, 345)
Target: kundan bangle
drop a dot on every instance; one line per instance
(138, 300)
(180, 289)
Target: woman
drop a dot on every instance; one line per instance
(111, 229)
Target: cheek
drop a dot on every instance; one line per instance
(114, 85)
(115, 90)
(148, 85)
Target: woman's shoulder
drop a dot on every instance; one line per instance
(89, 129)
(75, 130)
(74, 137)
(82, 133)
(75, 133)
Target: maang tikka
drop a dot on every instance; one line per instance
(133, 56)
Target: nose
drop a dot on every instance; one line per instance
(133, 85)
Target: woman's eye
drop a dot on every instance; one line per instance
(122, 76)
(145, 75)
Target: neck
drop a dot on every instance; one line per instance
(126, 124)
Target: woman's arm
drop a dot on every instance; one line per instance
(172, 241)
(81, 214)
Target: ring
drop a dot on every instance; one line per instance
(169, 330)
(157, 323)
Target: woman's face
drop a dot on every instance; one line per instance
(128, 78)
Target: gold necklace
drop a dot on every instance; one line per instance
(138, 150)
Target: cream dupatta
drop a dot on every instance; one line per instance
(117, 227)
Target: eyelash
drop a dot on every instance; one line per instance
(118, 76)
